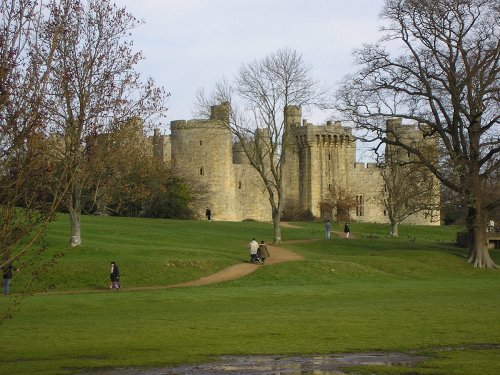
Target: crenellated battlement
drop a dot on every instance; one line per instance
(359, 165)
(329, 135)
(197, 124)
(319, 157)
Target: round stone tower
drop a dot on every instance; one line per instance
(293, 119)
(202, 153)
(293, 115)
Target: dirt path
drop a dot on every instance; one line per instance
(236, 271)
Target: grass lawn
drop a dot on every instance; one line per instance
(411, 294)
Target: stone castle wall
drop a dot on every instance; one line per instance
(202, 153)
(318, 157)
(161, 146)
(367, 185)
(327, 151)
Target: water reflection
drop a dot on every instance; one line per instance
(280, 365)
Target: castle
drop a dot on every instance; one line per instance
(319, 157)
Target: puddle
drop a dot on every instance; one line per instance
(276, 365)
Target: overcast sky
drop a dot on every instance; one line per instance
(190, 44)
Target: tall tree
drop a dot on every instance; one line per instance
(127, 178)
(408, 188)
(31, 186)
(120, 165)
(95, 86)
(442, 75)
(259, 95)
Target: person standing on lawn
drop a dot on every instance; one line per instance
(347, 230)
(7, 277)
(253, 247)
(114, 276)
(328, 228)
(262, 252)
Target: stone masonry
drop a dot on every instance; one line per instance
(318, 157)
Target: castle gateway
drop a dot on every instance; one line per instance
(320, 156)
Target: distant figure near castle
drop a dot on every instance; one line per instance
(208, 214)
(347, 230)
(319, 157)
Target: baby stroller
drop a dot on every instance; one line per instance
(254, 258)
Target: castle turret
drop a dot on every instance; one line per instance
(161, 146)
(316, 159)
(202, 152)
(293, 115)
(290, 179)
(220, 112)
(239, 155)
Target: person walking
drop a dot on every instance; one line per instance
(7, 277)
(328, 228)
(114, 276)
(262, 252)
(208, 214)
(347, 230)
(491, 226)
(253, 246)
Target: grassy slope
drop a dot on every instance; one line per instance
(367, 293)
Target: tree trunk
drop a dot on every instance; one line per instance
(277, 226)
(479, 255)
(74, 208)
(394, 229)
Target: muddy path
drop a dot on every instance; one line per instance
(236, 271)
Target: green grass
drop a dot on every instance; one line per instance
(372, 292)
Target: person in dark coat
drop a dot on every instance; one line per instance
(347, 230)
(208, 214)
(262, 252)
(114, 276)
(7, 277)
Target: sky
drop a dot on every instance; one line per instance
(192, 44)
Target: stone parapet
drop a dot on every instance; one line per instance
(317, 157)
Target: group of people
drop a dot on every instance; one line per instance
(328, 228)
(258, 252)
(7, 270)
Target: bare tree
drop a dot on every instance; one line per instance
(409, 188)
(443, 78)
(259, 95)
(31, 184)
(340, 201)
(94, 86)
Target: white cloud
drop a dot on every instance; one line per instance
(192, 43)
